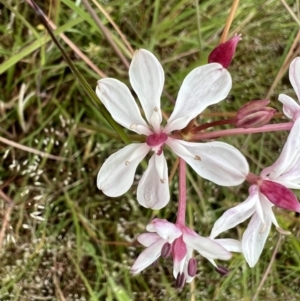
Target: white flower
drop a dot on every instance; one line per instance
(269, 189)
(166, 238)
(291, 108)
(216, 161)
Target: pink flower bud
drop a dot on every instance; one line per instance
(279, 195)
(254, 114)
(224, 52)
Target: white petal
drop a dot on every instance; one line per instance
(153, 189)
(118, 100)
(147, 239)
(166, 230)
(147, 79)
(117, 173)
(218, 162)
(148, 256)
(207, 247)
(289, 158)
(267, 209)
(254, 238)
(204, 86)
(231, 245)
(236, 215)
(294, 74)
(290, 106)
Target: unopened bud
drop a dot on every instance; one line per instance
(166, 250)
(222, 270)
(224, 52)
(192, 267)
(254, 114)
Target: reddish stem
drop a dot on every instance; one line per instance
(231, 132)
(182, 193)
(211, 124)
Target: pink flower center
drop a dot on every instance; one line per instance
(157, 141)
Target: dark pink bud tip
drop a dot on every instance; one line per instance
(192, 267)
(279, 195)
(180, 280)
(222, 270)
(224, 52)
(166, 250)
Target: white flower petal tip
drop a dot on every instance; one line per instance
(147, 79)
(153, 189)
(291, 108)
(117, 173)
(204, 86)
(167, 239)
(218, 162)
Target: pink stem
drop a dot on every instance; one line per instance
(182, 193)
(222, 133)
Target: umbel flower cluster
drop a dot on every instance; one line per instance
(215, 161)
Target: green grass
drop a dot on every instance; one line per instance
(84, 244)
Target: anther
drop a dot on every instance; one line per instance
(155, 109)
(133, 126)
(222, 270)
(166, 250)
(197, 158)
(192, 267)
(180, 280)
(127, 163)
(162, 181)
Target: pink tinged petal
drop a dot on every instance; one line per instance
(117, 173)
(289, 157)
(179, 253)
(280, 196)
(231, 245)
(237, 214)
(166, 230)
(202, 87)
(294, 73)
(290, 106)
(207, 247)
(147, 257)
(254, 238)
(147, 79)
(147, 239)
(218, 162)
(153, 189)
(118, 100)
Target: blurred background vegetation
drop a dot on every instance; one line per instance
(61, 238)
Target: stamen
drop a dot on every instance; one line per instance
(262, 230)
(155, 109)
(192, 267)
(222, 270)
(166, 250)
(180, 280)
(197, 158)
(127, 163)
(162, 181)
(284, 232)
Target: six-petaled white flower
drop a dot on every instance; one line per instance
(218, 162)
(270, 188)
(166, 239)
(291, 108)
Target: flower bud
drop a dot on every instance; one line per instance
(224, 52)
(254, 114)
